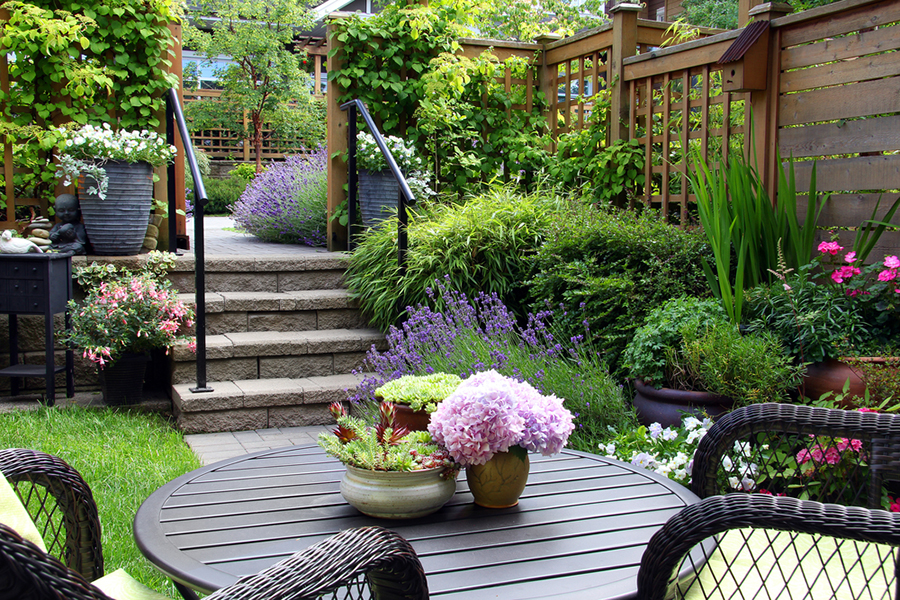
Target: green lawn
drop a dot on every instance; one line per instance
(123, 455)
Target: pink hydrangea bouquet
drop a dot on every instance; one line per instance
(490, 413)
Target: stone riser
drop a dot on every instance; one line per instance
(270, 367)
(260, 404)
(262, 282)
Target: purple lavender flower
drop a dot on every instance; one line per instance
(287, 202)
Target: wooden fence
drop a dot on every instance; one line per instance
(830, 96)
(821, 84)
(225, 144)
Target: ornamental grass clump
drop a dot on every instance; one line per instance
(286, 203)
(466, 336)
(489, 413)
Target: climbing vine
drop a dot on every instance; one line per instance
(405, 64)
(80, 62)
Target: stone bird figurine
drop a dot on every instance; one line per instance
(14, 245)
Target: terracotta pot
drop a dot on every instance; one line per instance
(414, 420)
(831, 375)
(396, 494)
(500, 481)
(668, 406)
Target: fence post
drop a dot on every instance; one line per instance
(624, 45)
(337, 140)
(764, 103)
(547, 84)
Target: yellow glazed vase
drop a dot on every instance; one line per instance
(500, 481)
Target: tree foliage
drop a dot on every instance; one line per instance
(83, 62)
(265, 79)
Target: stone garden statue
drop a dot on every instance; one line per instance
(69, 235)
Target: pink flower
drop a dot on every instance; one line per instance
(864, 409)
(892, 262)
(832, 456)
(803, 456)
(830, 247)
(887, 275)
(843, 273)
(850, 257)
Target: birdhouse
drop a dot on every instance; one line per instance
(745, 63)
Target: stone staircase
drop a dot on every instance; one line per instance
(282, 340)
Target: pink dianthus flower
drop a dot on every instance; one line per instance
(830, 248)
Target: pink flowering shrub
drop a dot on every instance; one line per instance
(136, 313)
(489, 413)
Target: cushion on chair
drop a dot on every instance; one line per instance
(773, 561)
(14, 515)
(122, 586)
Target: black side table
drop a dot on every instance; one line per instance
(36, 284)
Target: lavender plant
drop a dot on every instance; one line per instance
(286, 203)
(464, 337)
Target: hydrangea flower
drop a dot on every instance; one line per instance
(489, 413)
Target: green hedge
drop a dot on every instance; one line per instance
(611, 267)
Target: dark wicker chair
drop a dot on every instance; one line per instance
(369, 562)
(821, 475)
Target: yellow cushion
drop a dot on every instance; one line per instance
(772, 562)
(122, 586)
(14, 515)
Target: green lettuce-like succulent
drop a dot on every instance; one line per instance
(419, 391)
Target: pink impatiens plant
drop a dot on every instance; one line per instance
(489, 413)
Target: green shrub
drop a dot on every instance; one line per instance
(645, 356)
(245, 171)
(222, 194)
(480, 245)
(611, 267)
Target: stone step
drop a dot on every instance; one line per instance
(308, 310)
(278, 354)
(260, 403)
(265, 273)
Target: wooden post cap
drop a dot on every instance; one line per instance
(625, 7)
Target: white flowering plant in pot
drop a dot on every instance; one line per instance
(412, 165)
(86, 150)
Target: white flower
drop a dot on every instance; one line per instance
(655, 430)
(644, 460)
(727, 464)
(734, 483)
(691, 423)
(669, 434)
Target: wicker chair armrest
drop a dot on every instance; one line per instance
(387, 560)
(81, 548)
(27, 572)
(717, 514)
(787, 418)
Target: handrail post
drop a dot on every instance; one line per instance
(352, 189)
(170, 177)
(404, 195)
(199, 254)
(402, 221)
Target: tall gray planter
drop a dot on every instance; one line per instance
(377, 196)
(116, 225)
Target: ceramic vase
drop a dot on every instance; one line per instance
(500, 481)
(117, 224)
(396, 494)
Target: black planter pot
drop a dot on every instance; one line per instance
(668, 406)
(378, 192)
(123, 382)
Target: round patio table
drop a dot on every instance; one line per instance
(578, 531)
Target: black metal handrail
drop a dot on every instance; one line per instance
(404, 196)
(175, 116)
